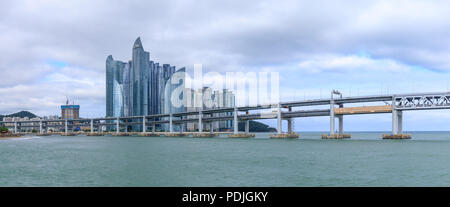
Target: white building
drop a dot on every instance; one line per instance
(209, 99)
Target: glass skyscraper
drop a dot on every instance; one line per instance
(140, 86)
(143, 87)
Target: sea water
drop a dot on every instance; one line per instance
(363, 160)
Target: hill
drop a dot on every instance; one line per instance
(20, 114)
(256, 127)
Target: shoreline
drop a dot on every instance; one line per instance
(10, 136)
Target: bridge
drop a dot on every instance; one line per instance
(395, 104)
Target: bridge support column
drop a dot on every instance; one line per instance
(397, 125)
(341, 121)
(400, 122)
(397, 122)
(144, 126)
(341, 124)
(92, 126)
(65, 127)
(235, 121)
(332, 118)
(40, 127)
(117, 125)
(15, 127)
(247, 126)
(394, 121)
(200, 126)
(211, 130)
(290, 122)
(279, 120)
(170, 123)
(153, 128)
(289, 125)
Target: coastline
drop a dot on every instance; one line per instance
(10, 136)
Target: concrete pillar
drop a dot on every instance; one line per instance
(289, 125)
(279, 120)
(40, 127)
(235, 121)
(170, 123)
(290, 122)
(65, 128)
(332, 115)
(15, 127)
(341, 121)
(247, 126)
(92, 125)
(144, 125)
(394, 121)
(153, 128)
(117, 125)
(211, 130)
(400, 122)
(200, 127)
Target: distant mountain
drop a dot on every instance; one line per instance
(256, 127)
(20, 114)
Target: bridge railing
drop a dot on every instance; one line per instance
(422, 102)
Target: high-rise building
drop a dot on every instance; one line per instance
(143, 87)
(70, 111)
(224, 99)
(140, 86)
(114, 87)
(206, 98)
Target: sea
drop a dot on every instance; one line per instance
(363, 160)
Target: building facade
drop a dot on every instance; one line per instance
(140, 86)
(143, 87)
(70, 111)
(206, 98)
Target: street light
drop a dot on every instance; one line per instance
(336, 92)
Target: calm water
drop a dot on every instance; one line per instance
(364, 160)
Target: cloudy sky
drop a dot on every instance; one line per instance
(53, 49)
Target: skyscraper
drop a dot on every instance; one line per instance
(140, 86)
(206, 98)
(114, 87)
(143, 87)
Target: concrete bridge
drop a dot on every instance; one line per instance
(395, 104)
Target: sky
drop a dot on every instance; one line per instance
(53, 49)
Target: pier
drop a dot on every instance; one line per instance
(395, 104)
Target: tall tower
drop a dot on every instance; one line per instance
(109, 85)
(138, 87)
(140, 69)
(114, 87)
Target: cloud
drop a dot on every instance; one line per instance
(315, 45)
(351, 63)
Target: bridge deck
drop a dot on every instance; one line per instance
(363, 110)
